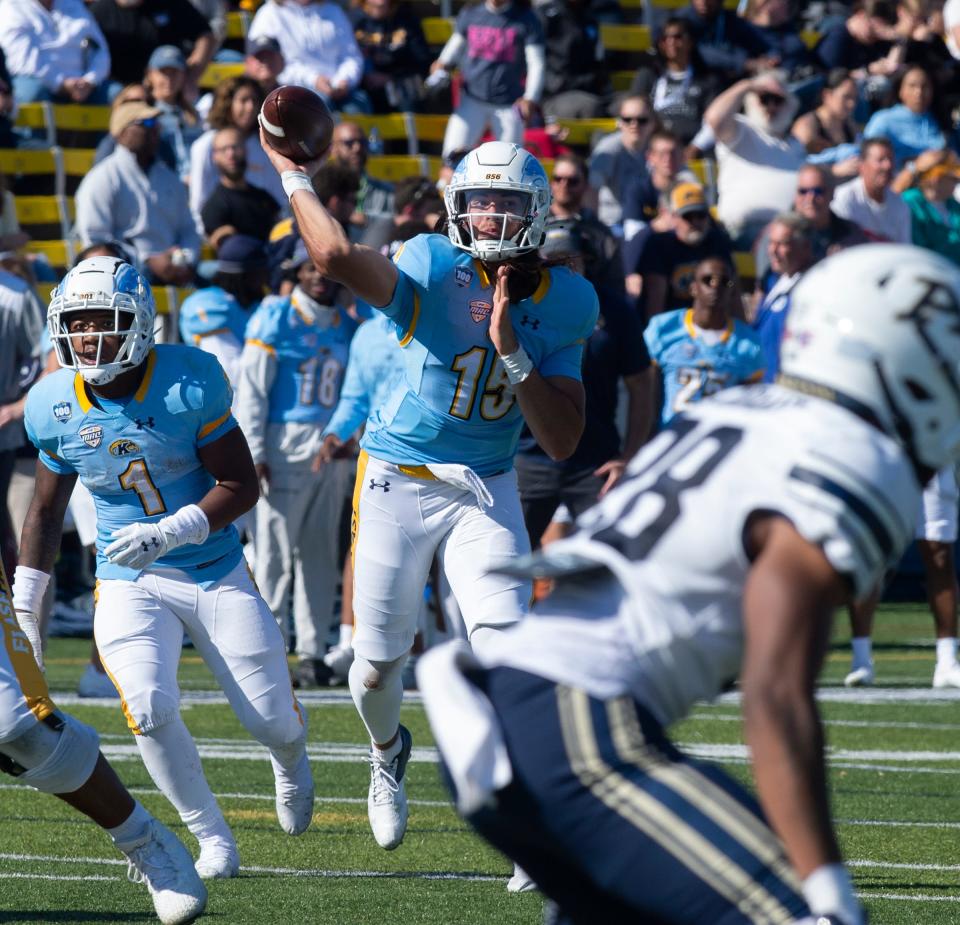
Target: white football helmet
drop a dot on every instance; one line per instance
(103, 284)
(498, 165)
(877, 329)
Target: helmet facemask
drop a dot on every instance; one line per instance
(130, 304)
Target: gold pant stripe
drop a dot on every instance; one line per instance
(697, 789)
(418, 472)
(132, 724)
(656, 821)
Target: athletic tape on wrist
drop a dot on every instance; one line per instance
(29, 585)
(517, 366)
(292, 180)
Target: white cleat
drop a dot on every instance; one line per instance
(860, 677)
(520, 882)
(294, 795)
(338, 660)
(219, 858)
(387, 798)
(165, 866)
(95, 683)
(947, 675)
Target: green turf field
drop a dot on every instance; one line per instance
(895, 773)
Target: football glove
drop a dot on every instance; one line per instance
(30, 625)
(139, 545)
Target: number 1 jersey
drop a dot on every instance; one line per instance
(138, 456)
(657, 609)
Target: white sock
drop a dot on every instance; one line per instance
(173, 762)
(862, 651)
(379, 708)
(947, 651)
(128, 833)
(388, 754)
(346, 635)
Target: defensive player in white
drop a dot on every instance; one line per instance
(149, 431)
(490, 339)
(55, 753)
(723, 553)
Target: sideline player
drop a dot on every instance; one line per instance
(936, 534)
(149, 430)
(55, 753)
(490, 340)
(722, 554)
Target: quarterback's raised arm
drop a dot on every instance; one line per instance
(369, 274)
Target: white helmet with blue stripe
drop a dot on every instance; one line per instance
(103, 284)
(497, 201)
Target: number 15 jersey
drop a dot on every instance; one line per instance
(666, 624)
(455, 404)
(138, 456)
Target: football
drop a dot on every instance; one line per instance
(296, 123)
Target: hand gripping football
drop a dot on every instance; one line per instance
(296, 123)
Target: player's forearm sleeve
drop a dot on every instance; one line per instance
(536, 60)
(451, 52)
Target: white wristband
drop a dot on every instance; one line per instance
(829, 891)
(188, 525)
(517, 365)
(293, 180)
(29, 585)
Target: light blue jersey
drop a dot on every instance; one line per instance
(455, 404)
(374, 370)
(211, 311)
(138, 457)
(690, 367)
(310, 359)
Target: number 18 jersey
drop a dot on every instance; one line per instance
(666, 624)
(138, 457)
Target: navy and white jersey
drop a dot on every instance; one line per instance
(666, 624)
(138, 456)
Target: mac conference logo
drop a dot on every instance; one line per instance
(92, 435)
(480, 310)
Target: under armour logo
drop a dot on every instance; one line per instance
(142, 424)
(375, 484)
(532, 323)
(145, 545)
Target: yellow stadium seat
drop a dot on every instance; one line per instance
(433, 167)
(582, 131)
(430, 128)
(810, 38)
(394, 167)
(165, 298)
(217, 73)
(745, 265)
(59, 253)
(625, 38)
(77, 162)
(45, 290)
(621, 80)
(43, 210)
(436, 30)
(15, 162)
(237, 25)
(79, 118)
(37, 116)
(394, 126)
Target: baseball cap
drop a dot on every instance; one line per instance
(167, 56)
(686, 198)
(298, 257)
(239, 253)
(948, 167)
(127, 113)
(262, 43)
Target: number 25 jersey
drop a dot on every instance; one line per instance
(672, 535)
(138, 456)
(455, 404)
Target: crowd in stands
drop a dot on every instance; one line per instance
(701, 168)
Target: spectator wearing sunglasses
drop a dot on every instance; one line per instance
(620, 156)
(133, 196)
(665, 264)
(757, 158)
(568, 186)
(700, 350)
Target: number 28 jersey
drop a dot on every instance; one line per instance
(455, 404)
(139, 457)
(672, 536)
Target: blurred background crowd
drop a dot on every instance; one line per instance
(701, 157)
